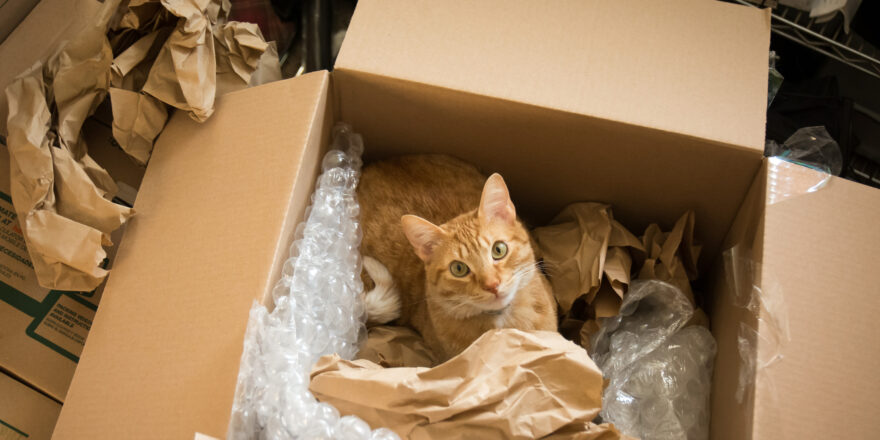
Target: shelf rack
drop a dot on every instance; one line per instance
(828, 37)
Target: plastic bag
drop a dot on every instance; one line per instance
(659, 370)
(811, 147)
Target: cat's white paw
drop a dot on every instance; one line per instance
(383, 302)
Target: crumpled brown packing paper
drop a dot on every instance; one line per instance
(165, 56)
(268, 67)
(141, 14)
(671, 257)
(138, 118)
(137, 121)
(591, 256)
(244, 59)
(184, 73)
(129, 69)
(396, 346)
(239, 48)
(580, 247)
(186, 67)
(507, 384)
(61, 195)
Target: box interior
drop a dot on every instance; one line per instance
(550, 158)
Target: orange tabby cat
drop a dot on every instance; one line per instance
(474, 272)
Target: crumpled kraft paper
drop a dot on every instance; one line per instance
(591, 256)
(137, 121)
(141, 14)
(184, 73)
(243, 45)
(130, 68)
(396, 346)
(186, 67)
(60, 192)
(56, 21)
(268, 67)
(78, 80)
(582, 245)
(671, 257)
(507, 384)
(62, 197)
(244, 58)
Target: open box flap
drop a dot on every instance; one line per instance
(694, 67)
(794, 310)
(208, 240)
(820, 245)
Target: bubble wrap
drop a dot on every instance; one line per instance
(659, 371)
(318, 310)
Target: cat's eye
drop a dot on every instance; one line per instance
(459, 269)
(499, 250)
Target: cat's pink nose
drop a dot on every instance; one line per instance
(492, 286)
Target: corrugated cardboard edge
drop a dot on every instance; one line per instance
(316, 146)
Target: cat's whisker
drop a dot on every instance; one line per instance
(546, 263)
(520, 274)
(550, 269)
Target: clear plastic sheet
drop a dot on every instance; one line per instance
(659, 370)
(318, 310)
(757, 292)
(811, 147)
(775, 79)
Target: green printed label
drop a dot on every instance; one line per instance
(16, 269)
(9, 432)
(61, 320)
(66, 325)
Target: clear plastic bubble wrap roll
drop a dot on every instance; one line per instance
(318, 310)
(659, 372)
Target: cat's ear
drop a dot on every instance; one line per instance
(422, 234)
(495, 204)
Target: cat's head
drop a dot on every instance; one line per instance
(476, 262)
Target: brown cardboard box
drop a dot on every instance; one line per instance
(25, 414)
(652, 107)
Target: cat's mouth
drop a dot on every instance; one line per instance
(496, 312)
(497, 304)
